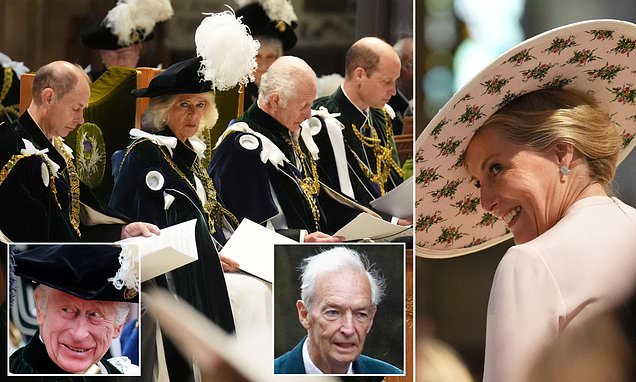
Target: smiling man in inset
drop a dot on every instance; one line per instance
(82, 300)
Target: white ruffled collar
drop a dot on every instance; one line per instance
(197, 145)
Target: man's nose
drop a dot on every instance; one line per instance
(346, 324)
(80, 332)
(307, 113)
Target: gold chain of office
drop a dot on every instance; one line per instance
(310, 184)
(74, 183)
(75, 205)
(6, 83)
(214, 211)
(6, 86)
(383, 154)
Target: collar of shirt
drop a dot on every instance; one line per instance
(365, 112)
(102, 368)
(310, 367)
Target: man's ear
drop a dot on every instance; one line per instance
(371, 316)
(38, 295)
(303, 314)
(47, 95)
(564, 153)
(118, 329)
(359, 73)
(274, 101)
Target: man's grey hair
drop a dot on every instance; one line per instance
(400, 46)
(336, 260)
(283, 78)
(122, 308)
(59, 76)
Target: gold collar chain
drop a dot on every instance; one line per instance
(11, 110)
(6, 83)
(214, 210)
(383, 154)
(74, 213)
(310, 184)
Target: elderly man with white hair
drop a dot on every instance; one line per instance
(264, 171)
(340, 293)
(82, 297)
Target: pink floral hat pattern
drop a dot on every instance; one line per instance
(597, 57)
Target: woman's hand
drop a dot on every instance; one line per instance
(139, 229)
(228, 264)
(319, 237)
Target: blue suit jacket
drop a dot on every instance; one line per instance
(292, 363)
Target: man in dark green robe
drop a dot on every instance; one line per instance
(42, 198)
(33, 359)
(357, 151)
(265, 171)
(82, 298)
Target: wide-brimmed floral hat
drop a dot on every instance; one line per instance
(597, 57)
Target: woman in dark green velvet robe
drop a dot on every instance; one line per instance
(161, 180)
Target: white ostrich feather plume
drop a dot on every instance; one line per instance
(327, 84)
(242, 3)
(279, 10)
(275, 9)
(129, 16)
(227, 50)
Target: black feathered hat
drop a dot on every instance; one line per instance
(88, 271)
(275, 24)
(129, 22)
(99, 36)
(180, 78)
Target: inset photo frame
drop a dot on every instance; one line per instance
(74, 309)
(340, 309)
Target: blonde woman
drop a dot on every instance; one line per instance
(528, 150)
(161, 178)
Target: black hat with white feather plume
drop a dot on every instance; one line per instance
(273, 18)
(129, 22)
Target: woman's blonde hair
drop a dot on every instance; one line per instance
(156, 115)
(542, 118)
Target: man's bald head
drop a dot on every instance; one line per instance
(61, 76)
(61, 91)
(372, 67)
(366, 53)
